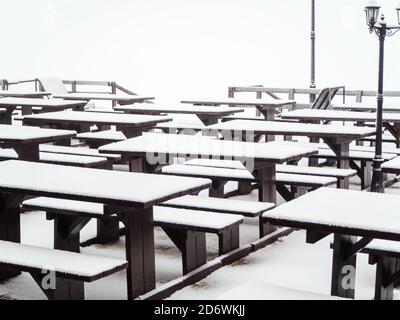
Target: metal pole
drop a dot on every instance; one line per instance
(377, 177)
(312, 83)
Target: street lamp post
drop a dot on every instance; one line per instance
(312, 35)
(382, 30)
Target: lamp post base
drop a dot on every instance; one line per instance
(377, 177)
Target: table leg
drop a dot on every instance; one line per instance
(343, 267)
(10, 229)
(6, 118)
(266, 179)
(385, 268)
(26, 110)
(341, 149)
(28, 152)
(269, 115)
(139, 244)
(208, 121)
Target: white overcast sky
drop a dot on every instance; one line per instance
(180, 48)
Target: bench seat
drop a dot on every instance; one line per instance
(63, 159)
(66, 265)
(245, 208)
(353, 155)
(392, 166)
(99, 138)
(186, 228)
(244, 175)
(176, 126)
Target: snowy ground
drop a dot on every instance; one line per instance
(289, 263)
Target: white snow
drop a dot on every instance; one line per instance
(392, 164)
(260, 290)
(70, 158)
(200, 219)
(217, 163)
(240, 102)
(326, 171)
(74, 150)
(125, 187)
(53, 85)
(291, 128)
(231, 205)
(4, 102)
(100, 96)
(343, 208)
(22, 94)
(13, 132)
(362, 106)
(56, 260)
(98, 117)
(336, 115)
(103, 135)
(68, 205)
(203, 147)
(356, 154)
(199, 110)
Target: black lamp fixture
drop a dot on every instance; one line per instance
(382, 30)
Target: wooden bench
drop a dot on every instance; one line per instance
(392, 166)
(186, 228)
(63, 159)
(220, 176)
(69, 269)
(100, 138)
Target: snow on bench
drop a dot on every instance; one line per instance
(263, 291)
(386, 137)
(180, 126)
(243, 175)
(68, 265)
(244, 208)
(64, 159)
(392, 166)
(108, 135)
(314, 171)
(78, 151)
(353, 155)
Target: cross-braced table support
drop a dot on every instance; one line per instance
(341, 149)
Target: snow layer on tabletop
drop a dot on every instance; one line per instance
(107, 135)
(110, 118)
(336, 114)
(182, 169)
(26, 132)
(288, 127)
(112, 185)
(314, 170)
(203, 146)
(343, 208)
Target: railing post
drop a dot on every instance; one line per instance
(113, 91)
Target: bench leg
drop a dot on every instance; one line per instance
(228, 240)
(366, 174)
(58, 288)
(217, 189)
(192, 245)
(298, 191)
(266, 178)
(139, 239)
(343, 268)
(385, 268)
(10, 229)
(107, 231)
(244, 187)
(67, 230)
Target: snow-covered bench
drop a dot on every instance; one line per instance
(111, 158)
(100, 138)
(69, 269)
(220, 176)
(392, 166)
(63, 159)
(186, 228)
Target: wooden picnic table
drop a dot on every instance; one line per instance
(347, 214)
(131, 194)
(337, 137)
(47, 105)
(119, 98)
(26, 140)
(152, 150)
(391, 121)
(24, 94)
(130, 124)
(208, 115)
(267, 107)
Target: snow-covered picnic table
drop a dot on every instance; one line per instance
(267, 107)
(208, 115)
(347, 214)
(157, 149)
(119, 98)
(25, 140)
(337, 137)
(134, 194)
(130, 124)
(47, 105)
